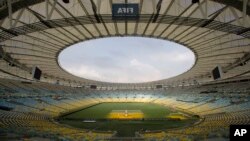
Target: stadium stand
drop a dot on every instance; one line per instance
(33, 112)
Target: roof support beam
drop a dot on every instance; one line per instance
(10, 12)
(50, 26)
(206, 9)
(214, 44)
(237, 18)
(18, 17)
(96, 10)
(126, 21)
(244, 12)
(203, 11)
(240, 61)
(87, 13)
(212, 31)
(221, 49)
(166, 28)
(52, 9)
(224, 54)
(149, 21)
(79, 31)
(242, 47)
(208, 40)
(165, 13)
(218, 59)
(115, 24)
(198, 7)
(158, 9)
(137, 22)
(47, 9)
(63, 16)
(16, 48)
(203, 25)
(44, 41)
(51, 36)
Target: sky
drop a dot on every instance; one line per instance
(126, 59)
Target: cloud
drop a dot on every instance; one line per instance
(143, 71)
(84, 71)
(127, 60)
(141, 67)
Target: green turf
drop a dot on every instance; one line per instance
(101, 111)
(124, 128)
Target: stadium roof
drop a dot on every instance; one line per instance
(34, 32)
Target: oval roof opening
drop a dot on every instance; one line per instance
(126, 59)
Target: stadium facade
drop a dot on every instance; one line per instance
(34, 32)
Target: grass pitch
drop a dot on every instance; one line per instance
(103, 110)
(127, 118)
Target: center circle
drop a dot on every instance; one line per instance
(126, 59)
